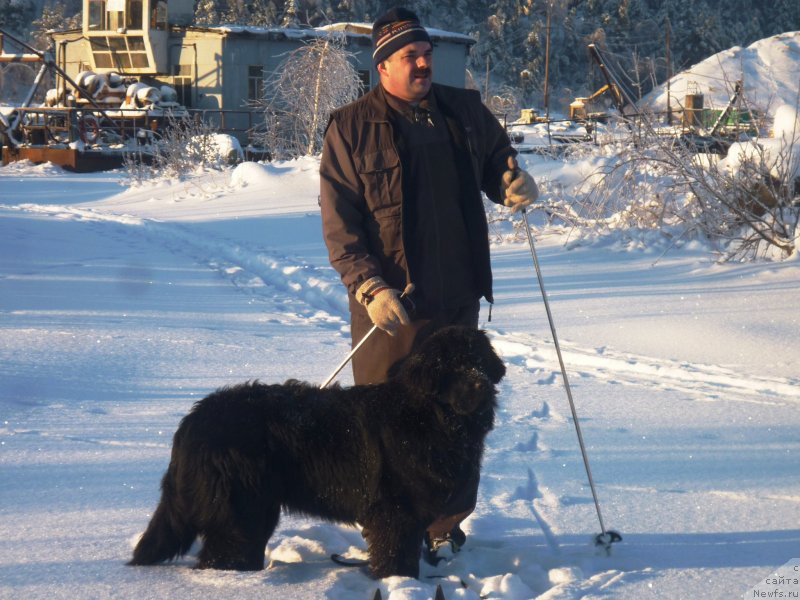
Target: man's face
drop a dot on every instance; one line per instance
(407, 74)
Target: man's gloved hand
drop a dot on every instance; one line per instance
(518, 187)
(383, 304)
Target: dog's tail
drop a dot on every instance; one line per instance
(170, 533)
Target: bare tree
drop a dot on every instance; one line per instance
(746, 203)
(302, 92)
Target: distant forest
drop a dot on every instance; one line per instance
(511, 35)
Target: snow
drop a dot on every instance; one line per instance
(765, 68)
(121, 305)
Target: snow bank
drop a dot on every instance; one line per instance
(765, 67)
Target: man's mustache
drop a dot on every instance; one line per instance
(422, 72)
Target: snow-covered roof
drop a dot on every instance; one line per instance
(355, 30)
(366, 29)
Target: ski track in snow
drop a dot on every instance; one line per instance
(281, 281)
(301, 291)
(699, 382)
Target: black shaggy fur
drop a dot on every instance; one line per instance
(387, 456)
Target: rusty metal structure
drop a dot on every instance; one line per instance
(135, 65)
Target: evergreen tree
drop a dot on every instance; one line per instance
(263, 13)
(16, 16)
(237, 12)
(53, 17)
(511, 35)
(206, 12)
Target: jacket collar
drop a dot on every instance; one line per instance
(377, 104)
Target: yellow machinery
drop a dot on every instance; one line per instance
(578, 108)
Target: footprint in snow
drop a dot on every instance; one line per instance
(532, 445)
(529, 491)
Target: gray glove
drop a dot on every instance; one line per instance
(518, 187)
(383, 304)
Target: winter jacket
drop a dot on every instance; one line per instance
(362, 186)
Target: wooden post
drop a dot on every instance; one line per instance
(547, 62)
(547, 71)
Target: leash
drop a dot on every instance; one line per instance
(406, 292)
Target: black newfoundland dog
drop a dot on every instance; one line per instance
(387, 456)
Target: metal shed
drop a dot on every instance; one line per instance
(217, 70)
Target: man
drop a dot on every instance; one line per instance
(401, 174)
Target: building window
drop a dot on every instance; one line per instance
(115, 14)
(182, 82)
(158, 19)
(255, 82)
(119, 52)
(97, 15)
(133, 17)
(138, 52)
(111, 15)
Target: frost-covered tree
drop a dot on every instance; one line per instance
(302, 92)
(263, 13)
(54, 17)
(290, 18)
(237, 12)
(207, 12)
(16, 15)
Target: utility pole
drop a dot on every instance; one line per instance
(669, 72)
(547, 71)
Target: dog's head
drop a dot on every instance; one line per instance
(458, 367)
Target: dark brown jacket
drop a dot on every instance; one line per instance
(361, 185)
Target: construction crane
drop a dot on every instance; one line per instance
(577, 109)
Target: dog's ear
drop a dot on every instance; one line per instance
(423, 368)
(493, 364)
(483, 356)
(423, 372)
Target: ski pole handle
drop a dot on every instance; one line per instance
(406, 292)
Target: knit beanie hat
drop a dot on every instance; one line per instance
(393, 30)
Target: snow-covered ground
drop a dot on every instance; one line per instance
(121, 307)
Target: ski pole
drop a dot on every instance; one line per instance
(606, 537)
(406, 292)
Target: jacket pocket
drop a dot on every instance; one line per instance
(381, 175)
